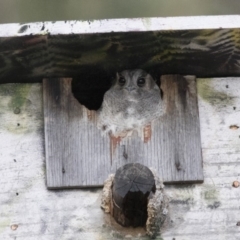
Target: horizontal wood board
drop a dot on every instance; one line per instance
(201, 46)
(79, 155)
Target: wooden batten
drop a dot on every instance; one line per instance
(93, 51)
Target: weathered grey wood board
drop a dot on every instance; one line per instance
(78, 154)
(203, 46)
(197, 211)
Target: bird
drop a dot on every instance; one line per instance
(133, 101)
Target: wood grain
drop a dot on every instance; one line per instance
(90, 52)
(179, 135)
(78, 155)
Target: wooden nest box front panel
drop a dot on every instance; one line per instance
(84, 56)
(79, 154)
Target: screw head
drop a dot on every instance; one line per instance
(236, 184)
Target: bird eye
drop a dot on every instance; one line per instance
(141, 82)
(121, 81)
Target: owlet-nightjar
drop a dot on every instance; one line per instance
(133, 101)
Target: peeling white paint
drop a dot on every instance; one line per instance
(120, 25)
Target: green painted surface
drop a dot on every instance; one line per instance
(211, 95)
(17, 94)
(20, 108)
(54, 10)
(19, 98)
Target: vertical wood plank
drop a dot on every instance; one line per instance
(78, 155)
(180, 129)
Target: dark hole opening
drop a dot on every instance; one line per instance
(90, 87)
(135, 208)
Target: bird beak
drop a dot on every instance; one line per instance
(130, 88)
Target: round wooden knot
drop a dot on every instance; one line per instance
(132, 185)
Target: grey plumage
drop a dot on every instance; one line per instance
(133, 101)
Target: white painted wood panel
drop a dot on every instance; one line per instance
(199, 211)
